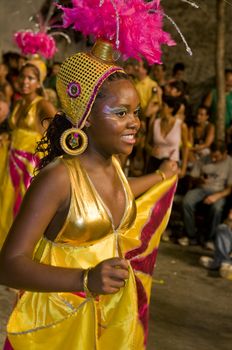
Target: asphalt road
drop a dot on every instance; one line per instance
(190, 308)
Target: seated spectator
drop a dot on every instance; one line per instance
(201, 135)
(223, 248)
(213, 176)
(165, 136)
(211, 100)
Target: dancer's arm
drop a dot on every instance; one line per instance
(141, 184)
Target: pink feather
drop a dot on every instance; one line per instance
(35, 43)
(140, 25)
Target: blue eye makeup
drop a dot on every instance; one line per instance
(115, 110)
(119, 111)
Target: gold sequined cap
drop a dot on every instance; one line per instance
(80, 79)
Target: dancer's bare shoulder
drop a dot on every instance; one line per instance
(53, 179)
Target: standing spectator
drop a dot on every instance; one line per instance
(214, 176)
(158, 73)
(150, 94)
(129, 67)
(178, 74)
(148, 90)
(211, 100)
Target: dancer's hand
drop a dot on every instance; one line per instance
(108, 276)
(169, 168)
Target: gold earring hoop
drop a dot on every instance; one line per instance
(74, 141)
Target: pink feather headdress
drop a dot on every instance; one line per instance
(35, 43)
(40, 40)
(133, 26)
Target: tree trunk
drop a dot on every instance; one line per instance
(220, 70)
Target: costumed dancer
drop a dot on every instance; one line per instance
(27, 124)
(17, 153)
(80, 248)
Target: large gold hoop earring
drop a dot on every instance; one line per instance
(74, 141)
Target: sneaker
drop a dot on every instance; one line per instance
(209, 245)
(206, 262)
(226, 271)
(166, 236)
(185, 241)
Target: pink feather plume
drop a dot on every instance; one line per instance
(140, 25)
(35, 43)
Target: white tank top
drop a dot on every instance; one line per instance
(170, 144)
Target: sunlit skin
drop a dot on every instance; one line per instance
(113, 117)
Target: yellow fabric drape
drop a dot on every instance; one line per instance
(58, 321)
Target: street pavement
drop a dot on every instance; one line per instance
(191, 309)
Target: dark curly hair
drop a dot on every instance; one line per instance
(49, 145)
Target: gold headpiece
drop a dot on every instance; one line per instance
(78, 82)
(40, 65)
